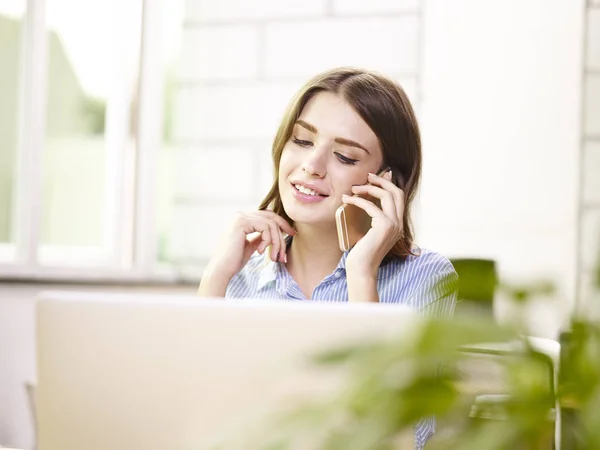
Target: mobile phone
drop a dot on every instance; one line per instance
(353, 222)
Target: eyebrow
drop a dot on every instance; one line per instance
(339, 140)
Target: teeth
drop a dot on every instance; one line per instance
(305, 190)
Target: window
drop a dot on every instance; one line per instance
(82, 119)
(92, 76)
(11, 19)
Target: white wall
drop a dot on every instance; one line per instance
(501, 120)
(590, 193)
(498, 89)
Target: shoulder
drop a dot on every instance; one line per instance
(429, 262)
(419, 279)
(423, 264)
(431, 283)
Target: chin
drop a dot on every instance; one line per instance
(308, 214)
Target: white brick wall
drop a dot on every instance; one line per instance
(592, 105)
(591, 172)
(590, 239)
(593, 39)
(303, 49)
(241, 63)
(375, 6)
(220, 53)
(590, 195)
(231, 110)
(198, 229)
(240, 10)
(590, 296)
(216, 173)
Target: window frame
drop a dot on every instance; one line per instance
(131, 236)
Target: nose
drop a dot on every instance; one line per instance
(315, 163)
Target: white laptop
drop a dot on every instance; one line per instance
(139, 372)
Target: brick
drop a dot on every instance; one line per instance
(375, 6)
(303, 49)
(214, 172)
(590, 239)
(592, 105)
(197, 231)
(225, 10)
(251, 110)
(591, 172)
(220, 52)
(593, 39)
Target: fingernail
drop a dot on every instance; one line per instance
(285, 258)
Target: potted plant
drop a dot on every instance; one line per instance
(394, 384)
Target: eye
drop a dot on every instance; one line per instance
(301, 143)
(345, 160)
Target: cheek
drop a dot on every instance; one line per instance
(345, 178)
(285, 165)
(288, 162)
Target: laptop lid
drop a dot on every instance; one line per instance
(126, 372)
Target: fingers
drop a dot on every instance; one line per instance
(391, 224)
(281, 222)
(275, 235)
(397, 193)
(265, 237)
(269, 225)
(388, 202)
(270, 237)
(282, 249)
(364, 204)
(280, 225)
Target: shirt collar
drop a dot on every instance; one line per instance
(342, 264)
(271, 271)
(268, 273)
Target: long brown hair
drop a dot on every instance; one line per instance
(386, 109)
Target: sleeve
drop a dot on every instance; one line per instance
(436, 294)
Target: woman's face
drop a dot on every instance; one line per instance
(331, 148)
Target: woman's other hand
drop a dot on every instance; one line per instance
(250, 232)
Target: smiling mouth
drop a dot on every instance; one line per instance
(307, 191)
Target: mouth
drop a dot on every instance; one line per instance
(307, 191)
(306, 195)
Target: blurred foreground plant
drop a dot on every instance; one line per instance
(392, 385)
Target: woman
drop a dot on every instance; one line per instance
(342, 128)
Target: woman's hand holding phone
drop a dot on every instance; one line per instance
(250, 232)
(386, 223)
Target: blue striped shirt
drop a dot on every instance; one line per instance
(427, 282)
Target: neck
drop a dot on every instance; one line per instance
(314, 252)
